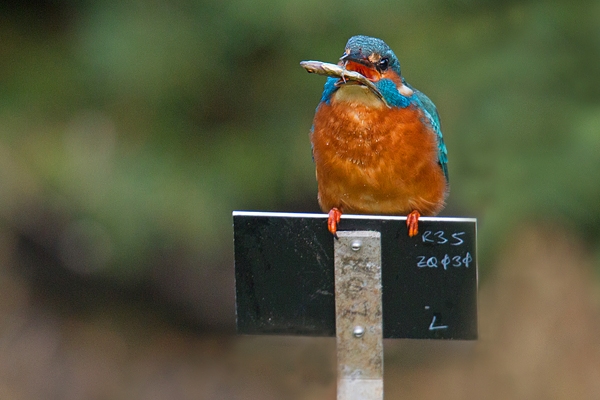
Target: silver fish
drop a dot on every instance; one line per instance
(328, 69)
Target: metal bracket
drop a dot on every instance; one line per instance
(358, 310)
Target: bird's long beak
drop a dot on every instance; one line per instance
(354, 55)
(354, 60)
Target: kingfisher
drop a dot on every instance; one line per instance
(376, 140)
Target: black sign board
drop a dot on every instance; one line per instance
(285, 276)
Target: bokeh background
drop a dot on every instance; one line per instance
(130, 130)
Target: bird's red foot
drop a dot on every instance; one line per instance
(334, 217)
(412, 223)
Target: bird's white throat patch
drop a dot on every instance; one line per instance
(357, 94)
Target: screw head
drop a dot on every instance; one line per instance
(356, 245)
(358, 331)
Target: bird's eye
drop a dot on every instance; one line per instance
(383, 64)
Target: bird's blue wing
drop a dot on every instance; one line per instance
(434, 119)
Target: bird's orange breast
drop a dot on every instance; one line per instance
(376, 160)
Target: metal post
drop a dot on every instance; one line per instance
(358, 315)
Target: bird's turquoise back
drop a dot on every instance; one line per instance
(434, 119)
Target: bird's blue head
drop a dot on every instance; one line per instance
(372, 58)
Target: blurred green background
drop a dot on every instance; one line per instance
(129, 131)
